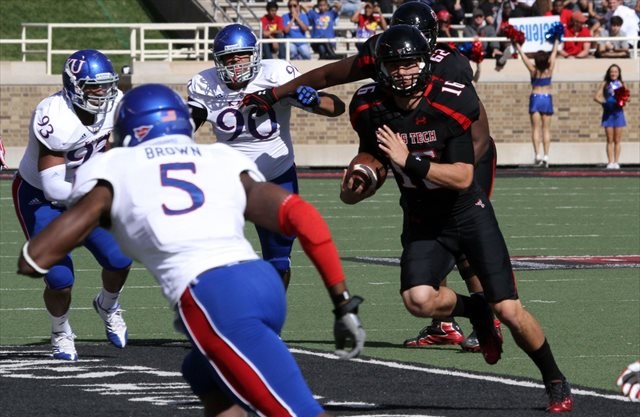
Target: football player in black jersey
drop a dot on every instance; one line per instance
(446, 63)
(419, 126)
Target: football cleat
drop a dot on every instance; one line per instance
(437, 333)
(63, 346)
(115, 327)
(489, 335)
(560, 398)
(471, 344)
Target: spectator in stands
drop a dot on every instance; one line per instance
(272, 28)
(349, 7)
(525, 8)
(558, 9)
(629, 18)
(444, 25)
(490, 9)
(615, 48)
(296, 25)
(587, 8)
(479, 28)
(323, 20)
(576, 28)
(613, 119)
(369, 20)
(455, 9)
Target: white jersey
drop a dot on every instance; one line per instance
(265, 139)
(178, 207)
(55, 124)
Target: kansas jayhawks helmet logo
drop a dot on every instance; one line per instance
(75, 65)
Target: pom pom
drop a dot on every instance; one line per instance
(514, 35)
(473, 51)
(477, 53)
(621, 95)
(465, 48)
(556, 31)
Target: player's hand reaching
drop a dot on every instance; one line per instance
(348, 328)
(307, 96)
(263, 100)
(629, 381)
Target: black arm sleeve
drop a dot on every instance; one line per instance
(199, 115)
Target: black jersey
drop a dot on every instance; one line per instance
(439, 128)
(447, 63)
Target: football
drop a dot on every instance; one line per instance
(367, 171)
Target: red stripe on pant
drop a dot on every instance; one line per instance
(15, 187)
(239, 374)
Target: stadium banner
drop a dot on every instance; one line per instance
(534, 29)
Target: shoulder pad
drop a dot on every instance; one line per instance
(54, 123)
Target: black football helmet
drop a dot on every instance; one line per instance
(418, 14)
(401, 43)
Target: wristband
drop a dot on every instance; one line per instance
(350, 306)
(340, 298)
(417, 167)
(31, 262)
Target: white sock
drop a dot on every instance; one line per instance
(108, 301)
(546, 158)
(61, 324)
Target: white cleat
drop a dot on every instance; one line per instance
(115, 327)
(63, 346)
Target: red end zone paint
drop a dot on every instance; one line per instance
(522, 263)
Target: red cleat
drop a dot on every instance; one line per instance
(560, 398)
(437, 333)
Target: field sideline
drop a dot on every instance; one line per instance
(575, 241)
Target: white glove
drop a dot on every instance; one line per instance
(629, 381)
(348, 327)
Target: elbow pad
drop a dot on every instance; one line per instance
(299, 218)
(54, 186)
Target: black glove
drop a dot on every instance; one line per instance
(307, 96)
(348, 327)
(262, 100)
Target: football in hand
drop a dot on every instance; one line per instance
(367, 172)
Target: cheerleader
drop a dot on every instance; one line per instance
(612, 94)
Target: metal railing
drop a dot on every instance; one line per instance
(141, 46)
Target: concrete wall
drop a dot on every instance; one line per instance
(577, 137)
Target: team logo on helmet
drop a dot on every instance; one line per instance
(141, 131)
(75, 65)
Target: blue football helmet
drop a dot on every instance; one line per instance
(149, 112)
(236, 39)
(89, 81)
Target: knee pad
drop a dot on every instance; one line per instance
(60, 275)
(282, 265)
(115, 260)
(106, 251)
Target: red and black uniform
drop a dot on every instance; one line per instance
(447, 63)
(439, 223)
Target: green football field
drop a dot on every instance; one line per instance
(590, 312)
